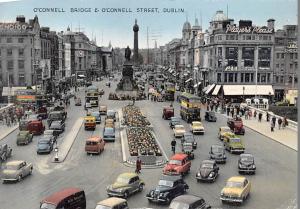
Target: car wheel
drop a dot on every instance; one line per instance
(126, 194)
(168, 200)
(19, 178)
(141, 187)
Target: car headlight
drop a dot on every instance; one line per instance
(253, 166)
(211, 174)
(198, 174)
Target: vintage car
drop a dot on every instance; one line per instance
(187, 148)
(197, 127)
(237, 189)
(167, 189)
(109, 134)
(36, 127)
(246, 164)
(179, 164)
(189, 202)
(97, 116)
(58, 127)
(217, 153)
(23, 125)
(179, 131)
(236, 125)
(233, 143)
(45, 145)
(174, 121)
(94, 145)
(210, 116)
(208, 171)
(111, 114)
(5, 152)
(42, 112)
(77, 101)
(112, 203)
(167, 113)
(51, 133)
(222, 131)
(16, 170)
(24, 137)
(126, 184)
(101, 92)
(189, 138)
(89, 123)
(56, 115)
(103, 109)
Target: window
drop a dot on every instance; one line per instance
(219, 51)
(21, 64)
(230, 79)
(225, 77)
(260, 38)
(219, 77)
(244, 37)
(281, 79)
(246, 77)
(227, 37)
(11, 79)
(291, 65)
(9, 40)
(79, 45)
(22, 79)
(263, 78)
(20, 40)
(268, 77)
(270, 38)
(277, 55)
(220, 37)
(296, 66)
(265, 38)
(251, 77)
(277, 66)
(282, 65)
(276, 79)
(232, 37)
(282, 55)
(296, 56)
(10, 64)
(253, 37)
(242, 77)
(248, 37)
(291, 56)
(9, 52)
(21, 52)
(235, 77)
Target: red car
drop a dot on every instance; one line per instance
(179, 164)
(168, 112)
(236, 125)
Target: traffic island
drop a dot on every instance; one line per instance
(138, 139)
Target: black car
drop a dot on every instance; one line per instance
(45, 145)
(187, 148)
(246, 164)
(210, 116)
(174, 121)
(57, 126)
(189, 138)
(217, 153)
(189, 202)
(51, 133)
(168, 188)
(208, 171)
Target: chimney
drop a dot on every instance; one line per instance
(271, 23)
(20, 18)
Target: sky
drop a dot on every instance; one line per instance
(162, 26)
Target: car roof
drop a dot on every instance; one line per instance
(60, 195)
(224, 127)
(237, 178)
(246, 155)
(179, 125)
(112, 201)
(188, 134)
(93, 138)
(178, 156)
(127, 175)
(175, 118)
(196, 122)
(188, 199)
(23, 132)
(208, 162)
(217, 145)
(15, 162)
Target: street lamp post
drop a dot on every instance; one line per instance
(243, 93)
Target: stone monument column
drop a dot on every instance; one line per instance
(136, 43)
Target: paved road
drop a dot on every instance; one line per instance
(273, 186)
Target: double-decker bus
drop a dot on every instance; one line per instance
(92, 96)
(170, 91)
(190, 107)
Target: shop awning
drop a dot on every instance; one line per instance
(210, 89)
(248, 90)
(197, 84)
(188, 80)
(216, 90)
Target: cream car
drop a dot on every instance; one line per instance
(197, 127)
(179, 131)
(222, 131)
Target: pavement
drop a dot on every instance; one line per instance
(286, 136)
(5, 130)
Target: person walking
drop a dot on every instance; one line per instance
(246, 114)
(272, 126)
(279, 123)
(249, 114)
(173, 145)
(284, 122)
(138, 165)
(274, 120)
(254, 114)
(268, 117)
(259, 117)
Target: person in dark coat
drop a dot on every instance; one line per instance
(259, 116)
(173, 145)
(274, 120)
(272, 126)
(138, 166)
(268, 117)
(279, 123)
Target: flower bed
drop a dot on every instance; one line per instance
(133, 117)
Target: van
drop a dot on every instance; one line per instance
(70, 198)
(94, 144)
(36, 127)
(112, 203)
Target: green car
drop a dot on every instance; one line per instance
(233, 143)
(24, 137)
(125, 185)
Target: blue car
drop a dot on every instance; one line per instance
(97, 116)
(109, 134)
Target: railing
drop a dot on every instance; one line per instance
(2, 109)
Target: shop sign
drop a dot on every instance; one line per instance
(27, 98)
(12, 27)
(231, 68)
(250, 30)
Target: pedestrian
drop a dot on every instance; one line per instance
(274, 120)
(254, 114)
(228, 110)
(259, 117)
(285, 122)
(279, 123)
(268, 117)
(249, 114)
(138, 165)
(173, 145)
(272, 126)
(246, 114)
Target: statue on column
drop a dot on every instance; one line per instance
(127, 53)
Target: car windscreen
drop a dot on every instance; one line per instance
(95, 114)
(217, 149)
(165, 183)
(247, 159)
(175, 162)
(111, 113)
(11, 167)
(91, 143)
(234, 184)
(178, 205)
(109, 131)
(55, 115)
(55, 125)
(207, 165)
(44, 141)
(47, 206)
